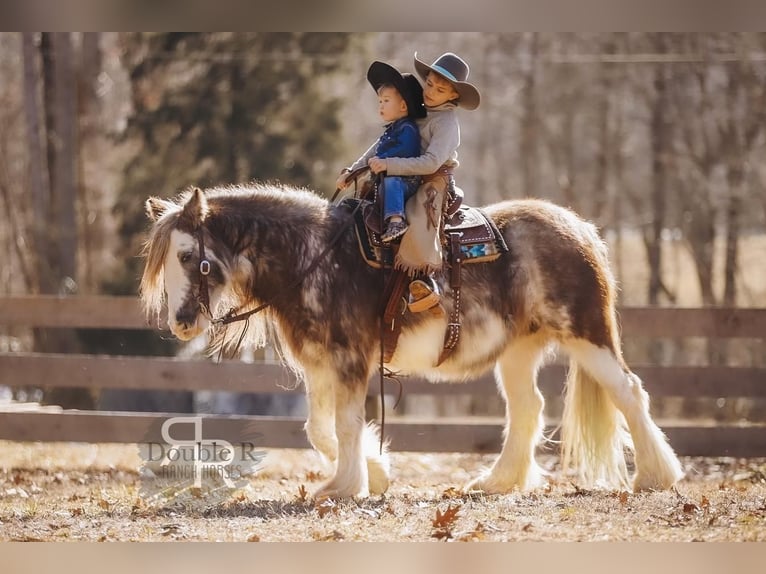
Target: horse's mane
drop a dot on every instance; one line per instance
(155, 250)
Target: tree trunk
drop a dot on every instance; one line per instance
(60, 121)
(659, 143)
(38, 183)
(600, 192)
(87, 114)
(65, 174)
(529, 124)
(481, 184)
(733, 214)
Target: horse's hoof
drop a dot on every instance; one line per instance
(485, 484)
(330, 491)
(489, 483)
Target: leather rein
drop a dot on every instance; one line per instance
(232, 316)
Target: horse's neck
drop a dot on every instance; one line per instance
(277, 256)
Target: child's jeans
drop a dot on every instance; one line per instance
(397, 189)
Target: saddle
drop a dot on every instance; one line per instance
(468, 237)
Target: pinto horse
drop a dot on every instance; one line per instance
(296, 251)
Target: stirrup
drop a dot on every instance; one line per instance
(423, 296)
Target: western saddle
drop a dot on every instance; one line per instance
(467, 235)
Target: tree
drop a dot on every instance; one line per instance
(221, 109)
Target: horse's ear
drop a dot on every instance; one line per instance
(195, 208)
(155, 207)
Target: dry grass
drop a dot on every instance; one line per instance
(90, 492)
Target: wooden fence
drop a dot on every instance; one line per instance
(469, 434)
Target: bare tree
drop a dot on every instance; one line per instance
(530, 123)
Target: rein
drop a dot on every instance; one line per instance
(232, 316)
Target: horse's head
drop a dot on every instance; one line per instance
(176, 271)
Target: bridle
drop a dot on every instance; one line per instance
(232, 316)
(203, 292)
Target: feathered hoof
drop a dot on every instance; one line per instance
(490, 483)
(646, 482)
(336, 491)
(378, 479)
(378, 462)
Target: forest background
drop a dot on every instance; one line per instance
(659, 138)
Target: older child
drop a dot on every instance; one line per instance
(420, 251)
(400, 100)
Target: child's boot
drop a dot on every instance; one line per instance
(425, 295)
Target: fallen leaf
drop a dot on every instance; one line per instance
(312, 476)
(325, 506)
(451, 492)
(478, 533)
(253, 538)
(690, 507)
(334, 535)
(446, 519)
(623, 498)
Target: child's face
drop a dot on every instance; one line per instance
(438, 91)
(391, 105)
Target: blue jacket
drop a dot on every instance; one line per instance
(400, 139)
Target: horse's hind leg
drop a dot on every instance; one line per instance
(516, 374)
(657, 466)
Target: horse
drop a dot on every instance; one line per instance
(293, 255)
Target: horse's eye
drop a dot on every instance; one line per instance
(185, 257)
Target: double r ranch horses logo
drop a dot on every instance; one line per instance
(197, 461)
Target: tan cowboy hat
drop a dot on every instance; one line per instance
(454, 69)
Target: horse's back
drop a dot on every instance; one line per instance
(561, 270)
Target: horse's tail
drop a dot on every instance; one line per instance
(594, 436)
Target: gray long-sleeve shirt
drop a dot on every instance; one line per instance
(439, 140)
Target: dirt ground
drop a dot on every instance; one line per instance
(55, 492)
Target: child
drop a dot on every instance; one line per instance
(420, 251)
(400, 100)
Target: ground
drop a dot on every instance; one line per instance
(91, 492)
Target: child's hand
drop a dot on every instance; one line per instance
(376, 164)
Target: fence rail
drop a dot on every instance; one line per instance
(105, 312)
(475, 434)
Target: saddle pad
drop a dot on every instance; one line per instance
(480, 240)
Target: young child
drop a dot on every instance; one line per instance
(400, 100)
(420, 251)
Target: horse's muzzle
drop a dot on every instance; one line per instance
(186, 326)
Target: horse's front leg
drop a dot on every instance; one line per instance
(320, 423)
(351, 475)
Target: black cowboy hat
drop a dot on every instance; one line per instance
(407, 85)
(454, 69)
